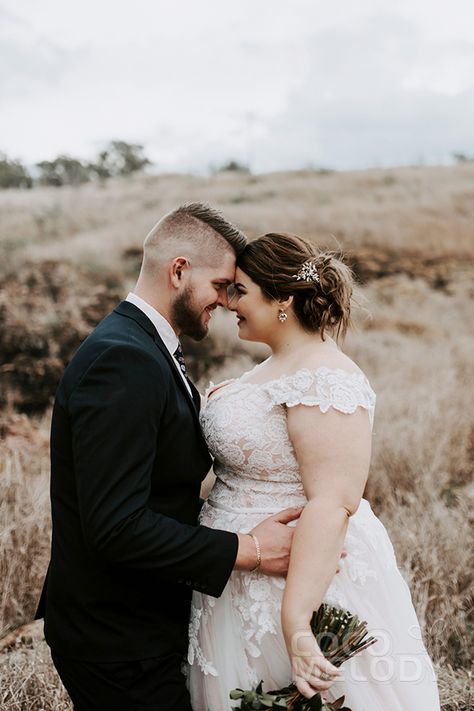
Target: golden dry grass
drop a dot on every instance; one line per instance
(414, 341)
(427, 211)
(24, 518)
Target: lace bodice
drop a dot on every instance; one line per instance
(245, 428)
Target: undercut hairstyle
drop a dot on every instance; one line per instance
(194, 230)
(275, 262)
(214, 219)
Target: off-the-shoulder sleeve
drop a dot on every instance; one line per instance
(323, 388)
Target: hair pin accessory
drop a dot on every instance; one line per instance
(308, 272)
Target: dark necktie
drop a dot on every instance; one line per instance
(179, 355)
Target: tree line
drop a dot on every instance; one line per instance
(119, 158)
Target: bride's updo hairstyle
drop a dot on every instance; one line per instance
(285, 265)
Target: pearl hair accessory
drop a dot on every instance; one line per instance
(308, 272)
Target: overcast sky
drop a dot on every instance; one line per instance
(275, 83)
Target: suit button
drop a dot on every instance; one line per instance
(188, 582)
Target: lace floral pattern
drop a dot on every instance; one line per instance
(201, 609)
(324, 388)
(255, 597)
(257, 474)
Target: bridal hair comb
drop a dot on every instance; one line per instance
(308, 272)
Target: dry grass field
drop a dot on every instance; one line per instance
(68, 255)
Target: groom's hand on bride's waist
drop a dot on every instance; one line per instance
(267, 547)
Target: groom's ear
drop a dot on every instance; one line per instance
(179, 268)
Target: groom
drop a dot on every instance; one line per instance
(127, 461)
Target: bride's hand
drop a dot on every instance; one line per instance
(311, 671)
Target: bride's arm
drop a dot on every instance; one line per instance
(333, 452)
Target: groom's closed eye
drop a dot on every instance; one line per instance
(239, 288)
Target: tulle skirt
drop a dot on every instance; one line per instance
(236, 640)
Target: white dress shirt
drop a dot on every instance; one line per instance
(164, 328)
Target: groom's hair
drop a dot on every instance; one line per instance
(194, 230)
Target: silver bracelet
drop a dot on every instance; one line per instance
(259, 552)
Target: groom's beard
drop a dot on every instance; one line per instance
(186, 318)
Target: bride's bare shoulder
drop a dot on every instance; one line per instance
(332, 358)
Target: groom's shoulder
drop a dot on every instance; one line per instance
(116, 342)
(113, 332)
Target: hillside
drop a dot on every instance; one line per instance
(68, 255)
(425, 211)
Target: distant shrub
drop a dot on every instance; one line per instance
(239, 198)
(463, 158)
(118, 159)
(63, 170)
(13, 174)
(233, 166)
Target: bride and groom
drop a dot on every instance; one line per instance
(141, 574)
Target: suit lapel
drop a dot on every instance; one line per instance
(125, 308)
(196, 395)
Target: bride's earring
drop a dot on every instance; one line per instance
(282, 316)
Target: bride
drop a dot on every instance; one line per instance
(296, 431)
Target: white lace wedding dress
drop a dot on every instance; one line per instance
(236, 640)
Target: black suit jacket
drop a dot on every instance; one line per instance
(127, 461)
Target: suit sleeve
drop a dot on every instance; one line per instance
(115, 413)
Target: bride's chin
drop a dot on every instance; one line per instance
(246, 335)
(242, 333)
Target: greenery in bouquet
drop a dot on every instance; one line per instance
(340, 636)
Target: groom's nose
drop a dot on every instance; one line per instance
(222, 299)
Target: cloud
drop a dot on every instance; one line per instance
(29, 62)
(253, 81)
(363, 103)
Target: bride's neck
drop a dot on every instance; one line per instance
(291, 338)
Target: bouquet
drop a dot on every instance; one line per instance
(340, 636)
